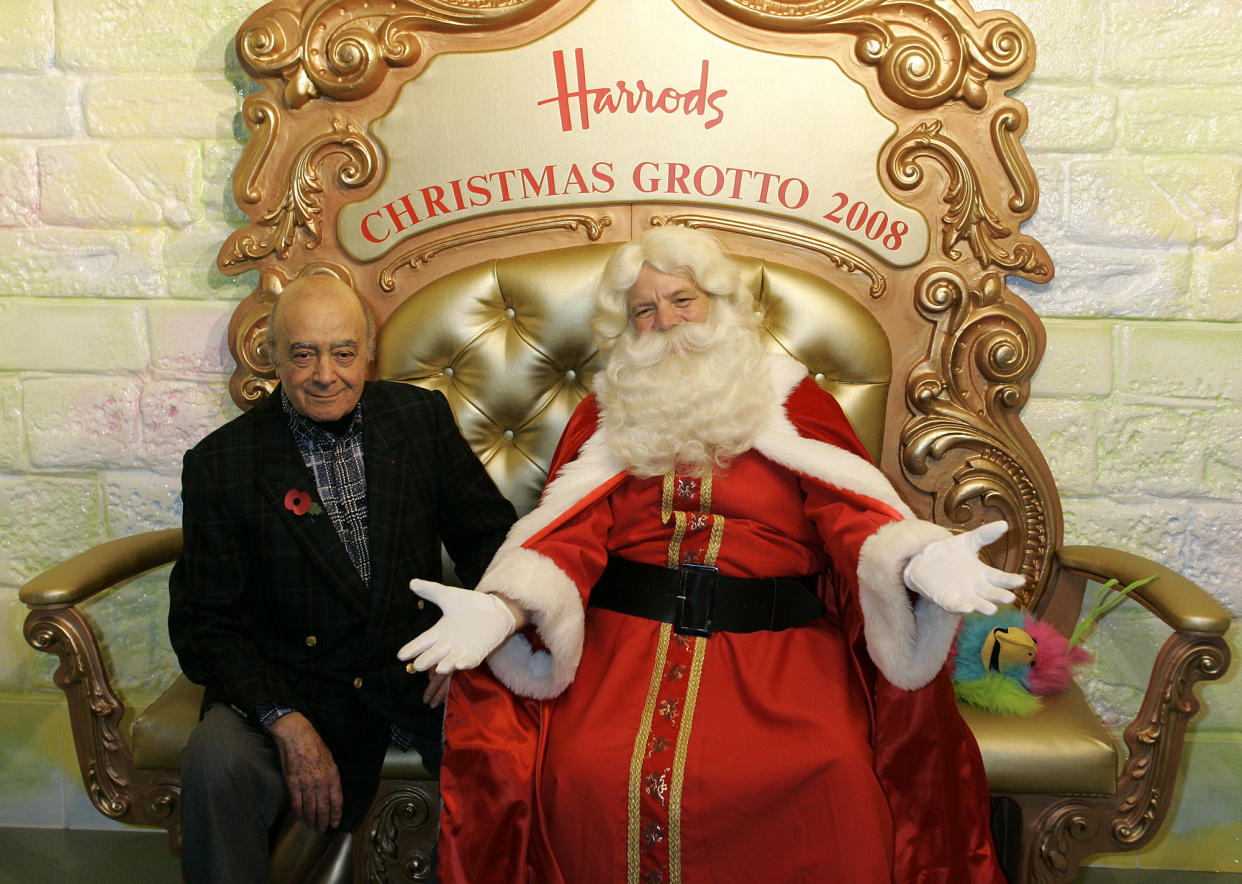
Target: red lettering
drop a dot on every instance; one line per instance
(434, 203)
(502, 177)
(874, 224)
(457, 196)
(698, 181)
(548, 178)
(478, 190)
(563, 95)
(711, 101)
(575, 180)
(695, 98)
(600, 173)
(782, 193)
(677, 173)
(623, 98)
(652, 183)
(366, 231)
(763, 188)
(396, 214)
(606, 102)
(737, 181)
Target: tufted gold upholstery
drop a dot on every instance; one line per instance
(508, 343)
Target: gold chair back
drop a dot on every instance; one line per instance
(508, 342)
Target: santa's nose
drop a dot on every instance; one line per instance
(666, 316)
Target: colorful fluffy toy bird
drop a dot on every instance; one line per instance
(1005, 662)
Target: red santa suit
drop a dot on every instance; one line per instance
(599, 746)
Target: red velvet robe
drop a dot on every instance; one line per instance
(774, 756)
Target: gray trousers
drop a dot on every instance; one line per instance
(232, 791)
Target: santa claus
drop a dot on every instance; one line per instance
(714, 651)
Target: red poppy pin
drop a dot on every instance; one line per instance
(300, 503)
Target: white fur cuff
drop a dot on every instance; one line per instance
(908, 642)
(540, 587)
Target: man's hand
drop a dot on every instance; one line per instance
(437, 689)
(474, 624)
(311, 776)
(949, 573)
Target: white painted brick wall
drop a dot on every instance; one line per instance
(117, 143)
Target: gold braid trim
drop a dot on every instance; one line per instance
(674, 542)
(705, 494)
(679, 762)
(713, 542)
(634, 794)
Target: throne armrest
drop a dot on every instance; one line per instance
(1068, 828)
(100, 567)
(1180, 603)
(116, 787)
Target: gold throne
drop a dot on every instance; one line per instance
(931, 355)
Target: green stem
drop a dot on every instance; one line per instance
(1101, 605)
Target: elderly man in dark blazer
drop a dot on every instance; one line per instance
(305, 520)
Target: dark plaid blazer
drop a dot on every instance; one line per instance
(266, 604)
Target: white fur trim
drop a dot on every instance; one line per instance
(594, 465)
(546, 592)
(537, 584)
(778, 440)
(908, 642)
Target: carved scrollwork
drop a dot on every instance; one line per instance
(1065, 828)
(403, 811)
(591, 226)
(61, 632)
(837, 256)
(255, 376)
(965, 395)
(925, 54)
(968, 219)
(1155, 737)
(300, 209)
(263, 119)
(116, 788)
(1007, 127)
(1076, 827)
(344, 49)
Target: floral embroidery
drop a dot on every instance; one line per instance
(698, 521)
(653, 833)
(670, 710)
(656, 785)
(686, 488)
(675, 672)
(300, 503)
(658, 745)
(653, 876)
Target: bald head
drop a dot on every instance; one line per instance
(320, 338)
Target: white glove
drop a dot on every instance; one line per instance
(949, 573)
(474, 624)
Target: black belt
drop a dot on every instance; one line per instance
(699, 600)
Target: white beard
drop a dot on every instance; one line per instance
(689, 398)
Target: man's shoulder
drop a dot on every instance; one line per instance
(397, 392)
(384, 400)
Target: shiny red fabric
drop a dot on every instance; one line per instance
(804, 764)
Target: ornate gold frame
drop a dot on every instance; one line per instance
(327, 68)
